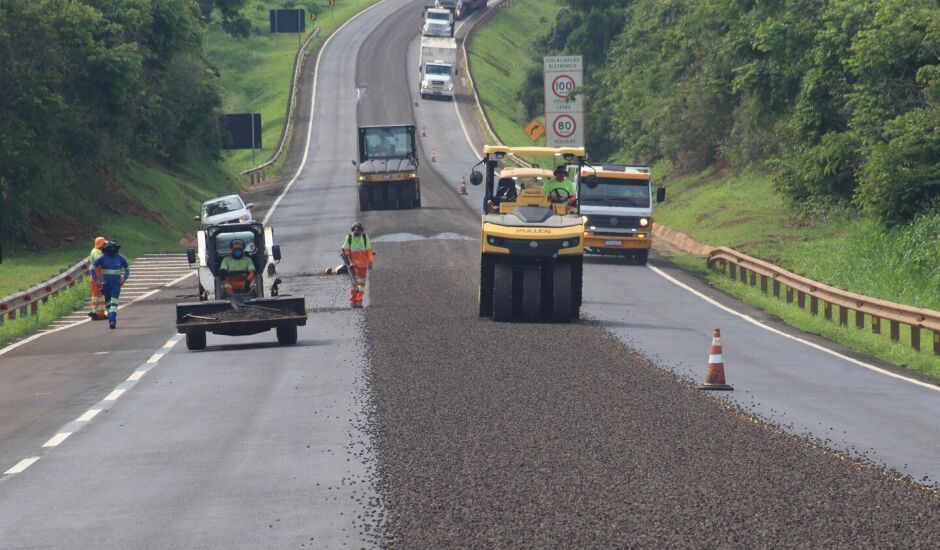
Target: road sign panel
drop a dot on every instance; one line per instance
(534, 129)
(564, 106)
(565, 130)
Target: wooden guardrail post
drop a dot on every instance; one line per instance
(801, 299)
(875, 324)
(859, 319)
(827, 311)
(895, 330)
(763, 284)
(814, 305)
(776, 288)
(936, 342)
(915, 337)
(843, 315)
(789, 295)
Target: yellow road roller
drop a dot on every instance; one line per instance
(532, 245)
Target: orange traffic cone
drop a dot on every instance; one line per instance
(715, 374)
(424, 131)
(462, 190)
(433, 156)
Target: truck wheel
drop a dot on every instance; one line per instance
(196, 340)
(561, 293)
(363, 199)
(486, 286)
(532, 293)
(287, 335)
(417, 201)
(502, 292)
(642, 256)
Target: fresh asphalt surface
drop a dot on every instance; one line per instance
(462, 431)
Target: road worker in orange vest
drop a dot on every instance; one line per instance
(357, 250)
(97, 312)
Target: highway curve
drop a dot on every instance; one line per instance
(413, 423)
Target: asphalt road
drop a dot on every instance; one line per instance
(415, 424)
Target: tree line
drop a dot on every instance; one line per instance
(838, 99)
(89, 84)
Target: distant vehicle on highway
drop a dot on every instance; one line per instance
(461, 8)
(221, 210)
(437, 22)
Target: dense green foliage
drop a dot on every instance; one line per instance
(91, 84)
(840, 99)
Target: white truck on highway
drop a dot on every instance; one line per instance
(438, 66)
(437, 22)
(617, 201)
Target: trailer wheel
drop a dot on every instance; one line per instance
(363, 199)
(561, 293)
(196, 340)
(502, 292)
(287, 335)
(486, 286)
(532, 293)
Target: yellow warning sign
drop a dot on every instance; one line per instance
(534, 130)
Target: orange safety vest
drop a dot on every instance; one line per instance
(358, 250)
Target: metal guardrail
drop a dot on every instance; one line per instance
(747, 269)
(256, 174)
(27, 301)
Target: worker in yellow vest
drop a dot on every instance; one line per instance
(97, 312)
(357, 250)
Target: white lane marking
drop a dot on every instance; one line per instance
(22, 465)
(136, 375)
(155, 357)
(56, 439)
(823, 349)
(114, 395)
(101, 353)
(170, 343)
(313, 101)
(136, 299)
(88, 415)
(466, 67)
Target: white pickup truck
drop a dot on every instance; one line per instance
(437, 22)
(438, 66)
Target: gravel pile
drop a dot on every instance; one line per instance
(524, 435)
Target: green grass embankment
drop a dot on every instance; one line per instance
(742, 211)
(256, 71)
(152, 205)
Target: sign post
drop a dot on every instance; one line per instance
(564, 106)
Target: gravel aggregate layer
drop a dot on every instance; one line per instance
(523, 435)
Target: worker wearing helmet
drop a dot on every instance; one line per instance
(561, 181)
(97, 312)
(357, 250)
(114, 273)
(237, 270)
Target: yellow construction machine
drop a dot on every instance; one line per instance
(532, 247)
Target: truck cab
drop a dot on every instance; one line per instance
(456, 6)
(438, 66)
(437, 22)
(617, 201)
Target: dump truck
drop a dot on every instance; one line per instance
(617, 201)
(387, 169)
(461, 8)
(438, 66)
(532, 246)
(245, 310)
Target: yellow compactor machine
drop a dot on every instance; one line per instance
(532, 247)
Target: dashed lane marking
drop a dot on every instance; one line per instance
(21, 465)
(114, 395)
(136, 375)
(88, 415)
(57, 439)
